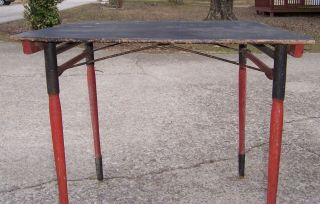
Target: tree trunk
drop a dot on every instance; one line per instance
(230, 10)
(116, 3)
(221, 9)
(120, 3)
(176, 2)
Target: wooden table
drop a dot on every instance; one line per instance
(274, 42)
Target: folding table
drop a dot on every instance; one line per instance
(274, 42)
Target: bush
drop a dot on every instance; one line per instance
(42, 13)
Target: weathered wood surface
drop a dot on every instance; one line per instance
(238, 32)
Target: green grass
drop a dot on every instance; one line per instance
(4, 36)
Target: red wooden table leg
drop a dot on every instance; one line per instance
(275, 149)
(56, 120)
(91, 78)
(58, 146)
(242, 109)
(276, 124)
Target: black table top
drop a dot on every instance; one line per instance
(238, 32)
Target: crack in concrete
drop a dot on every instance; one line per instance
(303, 119)
(137, 63)
(159, 172)
(26, 187)
(257, 146)
(19, 76)
(165, 170)
(306, 149)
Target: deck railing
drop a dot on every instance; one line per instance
(288, 5)
(302, 3)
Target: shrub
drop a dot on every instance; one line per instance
(42, 13)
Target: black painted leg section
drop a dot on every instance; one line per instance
(241, 159)
(99, 169)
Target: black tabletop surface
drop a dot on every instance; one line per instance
(166, 32)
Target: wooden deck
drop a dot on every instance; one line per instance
(286, 6)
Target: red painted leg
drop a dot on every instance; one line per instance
(91, 78)
(242, 110)
(275, 149)
(242, 118)
(58, 146)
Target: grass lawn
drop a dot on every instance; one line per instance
(190, 10)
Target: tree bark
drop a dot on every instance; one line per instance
(221, 9)
(116, 3)
(176, 2)
(120, 3)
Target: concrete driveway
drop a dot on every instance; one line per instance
(15, 11)
(168, 131)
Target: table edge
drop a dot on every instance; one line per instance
(185, 41)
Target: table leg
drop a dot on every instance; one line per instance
(276, 124)
(56, 119)
(242, 109)
(91, 78)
